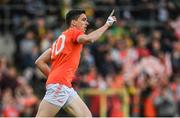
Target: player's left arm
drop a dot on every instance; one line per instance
(95, 35)
(42, 62)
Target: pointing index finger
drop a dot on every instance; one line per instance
(112, 13)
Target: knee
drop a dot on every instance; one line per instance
(88, 113)
(83, 113)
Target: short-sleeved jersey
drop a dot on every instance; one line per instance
(65, 57)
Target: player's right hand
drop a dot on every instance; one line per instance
(111, 19)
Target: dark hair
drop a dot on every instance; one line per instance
(73, 15)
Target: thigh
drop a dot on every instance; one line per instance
(55, 98)
(78, 108)
(47, 109)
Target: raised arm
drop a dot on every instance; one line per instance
(93, 36)
(42, 62)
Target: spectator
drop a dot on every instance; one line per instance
(164, 103)
(27, 48)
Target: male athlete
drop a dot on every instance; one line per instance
(64, 56)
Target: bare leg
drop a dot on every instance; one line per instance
(47, 109)
(78, 108)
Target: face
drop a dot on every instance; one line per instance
(81, 23)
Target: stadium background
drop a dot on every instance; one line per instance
(140, 54)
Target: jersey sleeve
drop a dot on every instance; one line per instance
(75, 35)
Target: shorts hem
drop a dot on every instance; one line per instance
(52, 103)
(69, 102)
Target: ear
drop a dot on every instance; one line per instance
(73, 22)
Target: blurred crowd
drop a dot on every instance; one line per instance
(141, 53)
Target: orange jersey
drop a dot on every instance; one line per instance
(65, 57)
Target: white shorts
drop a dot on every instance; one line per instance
(59, 95)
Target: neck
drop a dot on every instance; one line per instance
(72, 26)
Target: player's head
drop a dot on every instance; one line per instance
(77, 18)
